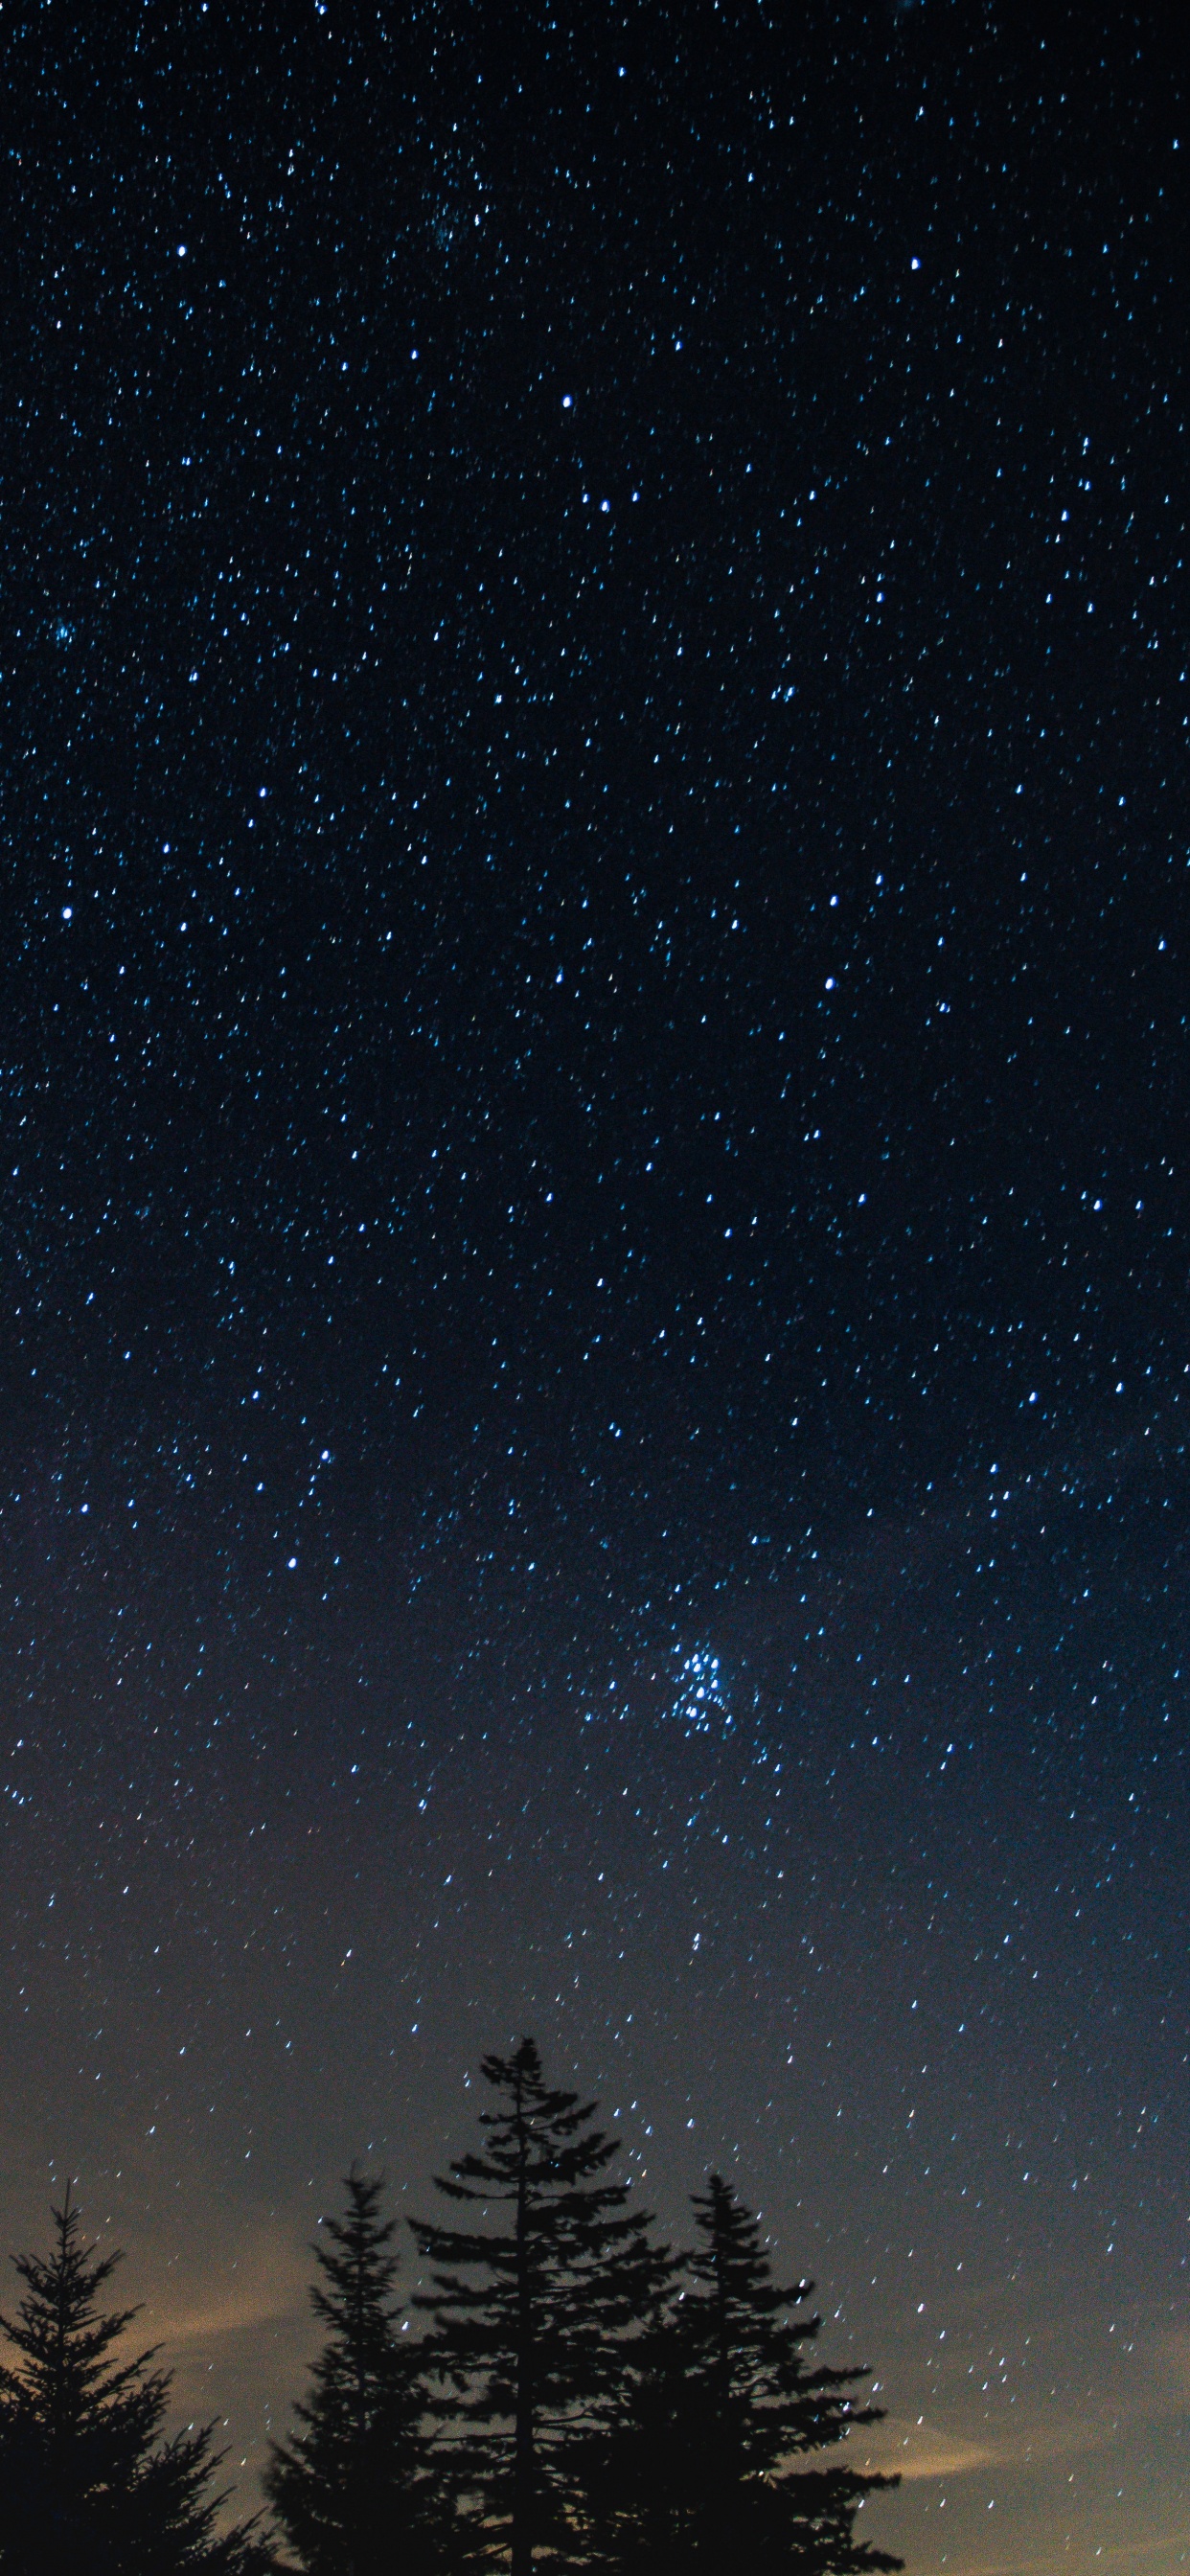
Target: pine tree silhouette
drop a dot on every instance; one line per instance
(759, 2405)
(87, 2486)
(701, 2471)
(642, 2469)
(354, 2488)
(528, 2314)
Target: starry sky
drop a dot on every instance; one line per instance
(596, 1371)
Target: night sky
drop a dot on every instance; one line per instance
(596, 1371)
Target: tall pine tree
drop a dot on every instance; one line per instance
(86, 2482)
(354, 2489)
(528, 2311)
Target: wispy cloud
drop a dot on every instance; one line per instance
(265, 2285)
(928, 2450)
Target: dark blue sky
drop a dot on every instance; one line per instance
(593, 662)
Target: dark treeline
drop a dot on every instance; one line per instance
(566, 2394)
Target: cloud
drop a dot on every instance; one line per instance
(921, 2450)
(266, 2285)
(924, 2450)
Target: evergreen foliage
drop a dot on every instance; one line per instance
(528, 2313)
(354, 2489)
(580, 2403)
(87, 2486)
(642, 2471)
(703, 2472)
(750, 2406)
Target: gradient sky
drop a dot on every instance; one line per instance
(594, 1248)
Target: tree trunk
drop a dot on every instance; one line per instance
(523, 2464)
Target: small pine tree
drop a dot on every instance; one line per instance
(86, 2483)
(758, 2405)
(528, 2314)
(700, 2471)
(353, 2489)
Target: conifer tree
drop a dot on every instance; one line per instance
(87, 2485)
(642, 2469)
(702, 2469)
(528, 2312)
(354, 2489)
(760, 2406)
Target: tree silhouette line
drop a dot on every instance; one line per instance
(579, 2397)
